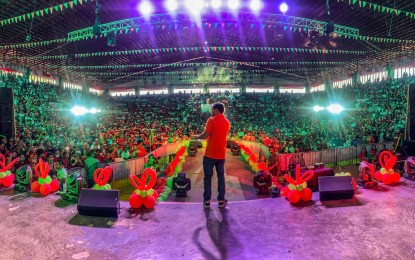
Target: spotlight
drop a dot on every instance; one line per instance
(216, 4)
(111, 39)
(195, 6)
(233, 4)
(335, 108)
(329, 27)
(318, 108)
(146, 7)
(255, 5)
(93, 110)
(283, 8)
(314, 37)
(79, 111)
(171, 5)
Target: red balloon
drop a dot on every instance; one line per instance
(155, 194)
(8, 180)
(54, 185)
(35, 187)
(45, 189)
(387, 179)
(161, 181)
(149, 202)
(306, 194)
(284, 191)
(262, 166)
(378, 176)
(396, 177)
(294, 196)
(135, 200)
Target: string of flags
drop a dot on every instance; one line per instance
(186, 73)
(379, 8)
(209, 64)
(42, 12)
(196, 49)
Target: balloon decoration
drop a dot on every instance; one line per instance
(297, 189)
(44, 183)
(176, 164)
(386, 174)
(6, 177)
(164, 185)
(347, 174)
(101, 177)
(144, 193)
(252, 160)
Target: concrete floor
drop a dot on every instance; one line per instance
(377, 224)
(238, 179)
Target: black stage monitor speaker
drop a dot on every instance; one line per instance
(6, 112)
(196, 143)
(101, 203)
(229, 143)
(335, 188)
(6, 96)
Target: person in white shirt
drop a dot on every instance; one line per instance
(61, 176)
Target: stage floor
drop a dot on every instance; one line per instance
(238, 179)
(377, 224)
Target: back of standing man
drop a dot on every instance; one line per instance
(216, 131)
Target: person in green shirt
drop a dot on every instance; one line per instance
(126, 153)
(91, 164)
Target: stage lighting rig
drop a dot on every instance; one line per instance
(216, 4)
(181, 184)
(233, 4)
(255, 5)
(111, 39)
(314, 37)
(283, 8)
(146, 8)
(329, 27)
(171, 5)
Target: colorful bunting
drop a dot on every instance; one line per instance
(220, 64)
(379, 8)
(191, 74)
(212, 49)
(32, 44)
(42, 12)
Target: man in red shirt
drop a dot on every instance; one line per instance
(216, 131)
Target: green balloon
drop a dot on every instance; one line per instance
(48, 179)
(143, 194)
(164, 196)
(8, 173)
(96, 187)
(2, 175)
(108, 186)
(159, 199)
(138, 192)
(150, 192)
(41, 181)
(169, 183)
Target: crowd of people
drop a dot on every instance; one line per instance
(130, 127)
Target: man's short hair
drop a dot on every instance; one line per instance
(219, 106)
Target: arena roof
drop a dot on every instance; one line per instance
(57, 37)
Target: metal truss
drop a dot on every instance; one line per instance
(160, 20)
